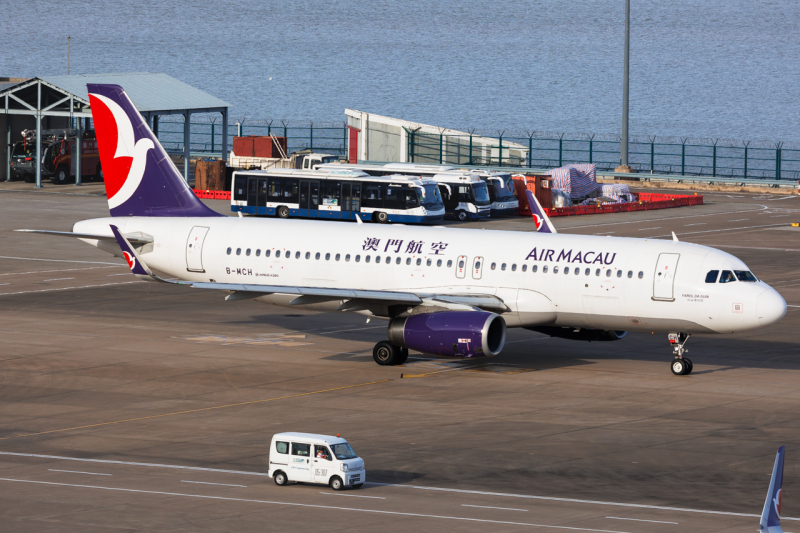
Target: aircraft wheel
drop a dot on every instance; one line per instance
(689, 366)
(403, 356)
(462, 215)
(283, 212)
(386, 353)
(679, 367)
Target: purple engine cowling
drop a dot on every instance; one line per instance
(451, 333)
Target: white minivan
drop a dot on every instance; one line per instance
(310, 458)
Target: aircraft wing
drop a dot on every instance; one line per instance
(377, 302)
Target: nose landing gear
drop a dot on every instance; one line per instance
(681, 366)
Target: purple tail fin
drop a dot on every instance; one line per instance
(140, 178)
(771, 515)
(540, 218)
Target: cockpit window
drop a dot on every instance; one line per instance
(726, 277)
(712, 275)
(744, 275)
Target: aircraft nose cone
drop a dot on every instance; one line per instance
(770, 307)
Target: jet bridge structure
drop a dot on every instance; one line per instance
(63, 102)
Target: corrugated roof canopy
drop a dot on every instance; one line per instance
(149, 91)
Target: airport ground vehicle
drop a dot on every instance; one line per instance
(304, 159)
(335, 194)
(465, 197)
(58, 163)
(450, 292)
(312, 458)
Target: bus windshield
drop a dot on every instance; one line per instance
(431, 197)
(503, 188)
(481, 193)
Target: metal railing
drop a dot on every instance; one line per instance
(657, 155)
(206, 136)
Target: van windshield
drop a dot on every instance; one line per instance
(343, 451)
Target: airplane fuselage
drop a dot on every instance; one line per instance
(607, 283)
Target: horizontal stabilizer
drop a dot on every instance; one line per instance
(133, 238)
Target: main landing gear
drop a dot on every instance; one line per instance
(387, 354)
(681, 366)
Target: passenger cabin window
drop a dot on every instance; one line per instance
(358, 258)
(630, 273)
(514, 267)
(258, 252)
(297, 255)
(338, 256)
(397, 261)
(619, 273)
(566, 270)
(377, 259)
(408, 261)
(588, 271)
(544, 269)
(641, 274)
(287, 254)
(302, 450)
(726, 277)
(316, 256)
(229, 251)
(428, 262)
(267, 253)
(308, 255)
(712, 276)
(745, 275)
(282, 447)
(419, 261)
(238, 251)
(577, 271)
(327, 257)
(494, 265)
(450, 263)
(439, 263)
(597, 272)
(555, 270)
(534, 268)
(247, 253)
(347, 257)
(608, 273)
(524, 268)
(277, 253)
(366, 259)
(503, 266)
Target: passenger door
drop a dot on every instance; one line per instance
(346, 201)
(252, 195)
(322, 466)
(664, 277)
(300, 462)
(194, 249)
(262, 197)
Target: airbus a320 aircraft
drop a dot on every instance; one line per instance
(445, 291)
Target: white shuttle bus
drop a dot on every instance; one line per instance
(337, 193)
(310, 458)
(467, 203)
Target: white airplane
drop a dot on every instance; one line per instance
(445, 291)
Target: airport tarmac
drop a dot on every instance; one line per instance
(136, 406)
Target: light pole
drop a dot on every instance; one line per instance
(623, 147)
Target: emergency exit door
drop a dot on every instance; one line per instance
(664, 277)
(194, 249)
(461, 266)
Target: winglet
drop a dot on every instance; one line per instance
(771, 515)
(137, 266)
(540, 218)
(358, 218)
(674, 237)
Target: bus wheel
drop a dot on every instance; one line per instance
(61, 175)
(381, 217)
(283, 212)
(98, 173)
(462, 215)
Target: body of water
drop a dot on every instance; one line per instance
(716, 68)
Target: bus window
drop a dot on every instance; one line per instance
(290, 191)
(314, 196)
(372, 196)
(393, 197)
(240, 188)
(413, 197)
(356, 197)
(275, 189)
(329, 192)
(464, 193)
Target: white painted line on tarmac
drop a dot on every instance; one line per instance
(606, 233)
(209, 483)
(57, 279)
(310, 506)
(70, 288)
(718, 230)
(640, 520)
(123, 274)
(697, 224)
(59, 270)
(648, 229)
(352, 495)
(490, 507)
(418, 487)
(78, 472)
(59, 260)
(5, 284)
(572, 500)
(763, 207)
(739, 220)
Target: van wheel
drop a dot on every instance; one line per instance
(462, 215)
(337, 483)
(61, 175)
(283, 212)
(280, 479)
(381, 217)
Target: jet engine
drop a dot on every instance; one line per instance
(580, 334)
(450, 333)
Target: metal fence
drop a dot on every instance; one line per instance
(659, 155)
(207, 135)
